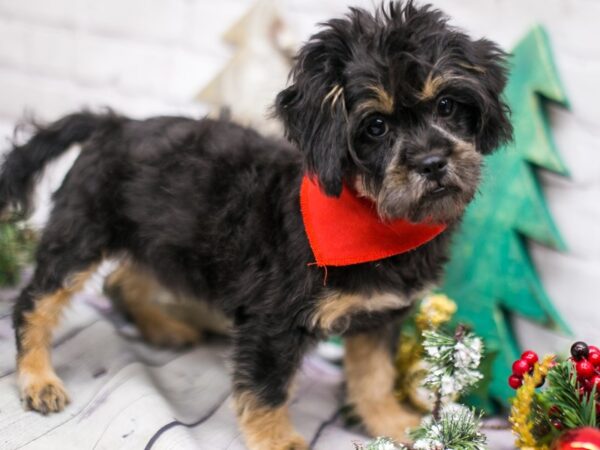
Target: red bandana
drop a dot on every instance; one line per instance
(347, 230)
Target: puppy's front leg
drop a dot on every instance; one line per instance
(264, 367)
(370, 376)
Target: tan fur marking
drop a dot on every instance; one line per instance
(40, 387)
(370, 377)
(136, 289)
(383, 102)
(162, 330)
(467, 152)
(334, 308)
(433, 85)
(361, 188)
(266, 428)
(334, 94)
(472, 67)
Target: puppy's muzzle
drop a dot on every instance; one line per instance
(433, 167)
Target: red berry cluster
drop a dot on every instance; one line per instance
(586, 362)
(522, 366)
(586, 359)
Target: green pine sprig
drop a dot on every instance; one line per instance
(16, 247)
(453, 360)
(574, 410)
(458, 427)
(380, 443)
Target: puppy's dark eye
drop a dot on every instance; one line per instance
(445, 107)
(376, 127)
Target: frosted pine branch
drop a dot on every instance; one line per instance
(453, 362)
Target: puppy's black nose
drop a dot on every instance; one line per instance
(433, 167)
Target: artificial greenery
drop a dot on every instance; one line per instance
(434, 311)
(453, 361)
(527, 414)
(540, 415)
(576, 410)
(380, 443)
(457, 427)
(16, 246)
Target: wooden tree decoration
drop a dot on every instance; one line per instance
(491, 275)
(247, 85)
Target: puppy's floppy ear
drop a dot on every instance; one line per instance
(495, 127)
(313, 107)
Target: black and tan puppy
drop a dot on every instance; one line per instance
(397, 106)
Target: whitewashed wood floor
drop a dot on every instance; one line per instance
(127, 395)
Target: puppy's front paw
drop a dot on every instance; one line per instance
(45, 394)
(296, 442)
(292, 442)
(386, 417)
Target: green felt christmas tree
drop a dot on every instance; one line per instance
(491, 275)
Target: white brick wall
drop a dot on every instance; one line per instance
(141, 57)
(146, 57)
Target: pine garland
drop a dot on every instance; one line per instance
(563, 393)
(457, 428)
(434, 311)
(453, 361)
(16, 245)
(380, 443)
(539, 417)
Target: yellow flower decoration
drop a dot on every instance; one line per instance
(434, 311)
(520, 414)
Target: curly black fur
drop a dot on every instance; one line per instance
(212, 208)
(396, 49)
(20, 166)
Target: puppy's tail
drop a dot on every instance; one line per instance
(25, 162)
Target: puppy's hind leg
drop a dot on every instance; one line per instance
(135, 291)
(61, 271)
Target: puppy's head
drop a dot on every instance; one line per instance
(399, 106)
